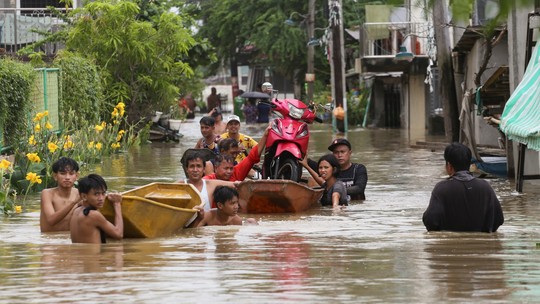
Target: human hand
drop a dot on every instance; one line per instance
(115, 198)
(200, 210)
(304, 161)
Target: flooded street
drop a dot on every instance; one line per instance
(375, 251)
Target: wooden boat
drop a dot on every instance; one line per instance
(155, 210)
(276, 196)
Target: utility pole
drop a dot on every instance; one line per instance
(310, 73)
(337, 62)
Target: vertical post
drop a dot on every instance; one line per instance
(45, 92)
(521, 167)
(337, 63)
(310, 51)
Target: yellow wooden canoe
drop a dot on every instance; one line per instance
(155, 210)
(276, 196)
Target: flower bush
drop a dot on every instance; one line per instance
(7, 195)
(86, 143)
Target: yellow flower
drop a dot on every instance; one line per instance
(121, 132)
(46, 113)
(118, 137)
(37, 128)
(98, 128)
(33, 157)
(91, 145)
(99, 146)
(115, 112)
(38, 116)
(52, 147)
(18, 209)
(121, 108)
(116, 121)
(68, 144)
(48, 126)
(32, 140)
(115, 145)
(103, 124)
(4, 164)
(33, 178)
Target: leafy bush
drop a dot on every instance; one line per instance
(16, 80)
(81, 87)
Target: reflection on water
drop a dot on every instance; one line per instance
(373, 251)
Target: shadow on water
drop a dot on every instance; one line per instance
(374, 251)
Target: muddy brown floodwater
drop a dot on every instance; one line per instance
(374, 251)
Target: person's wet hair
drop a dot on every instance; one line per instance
(207, 121)
(221, 158)
(458, 155)
(333, 161)
(64, 164)
(227, 143)
(92, 181)
(192, 157)
(222, 194)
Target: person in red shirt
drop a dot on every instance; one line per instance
(241, 170)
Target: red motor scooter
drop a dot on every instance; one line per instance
(288, 139)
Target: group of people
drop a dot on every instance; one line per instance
(460, 203)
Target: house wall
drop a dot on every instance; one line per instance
(417, 107)
(484, 134)
(517, 29)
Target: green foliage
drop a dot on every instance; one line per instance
(140, 62)
(356, 106)
(7, 195)
(81, 87)
(16, 80)
(83, 141)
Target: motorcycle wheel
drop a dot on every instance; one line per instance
(289, 169)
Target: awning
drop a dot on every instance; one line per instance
(520, 120)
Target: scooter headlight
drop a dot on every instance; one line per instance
(295, 112)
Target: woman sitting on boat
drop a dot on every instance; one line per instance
(335, 193)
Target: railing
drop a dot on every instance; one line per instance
(17, 25)
(386, 38)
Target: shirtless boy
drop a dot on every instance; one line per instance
(226, 213)
(58, 203)
(87, 224)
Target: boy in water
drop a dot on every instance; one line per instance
(58, 203)
(87, 224)
(226, 213)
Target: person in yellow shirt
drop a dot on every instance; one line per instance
(245, 143)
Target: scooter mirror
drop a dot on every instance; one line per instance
(267, 88)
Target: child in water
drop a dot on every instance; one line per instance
(58, 203)
(87, 224)
(226, 213)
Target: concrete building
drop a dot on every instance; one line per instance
(396, 45)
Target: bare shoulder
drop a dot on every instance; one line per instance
(48, 192)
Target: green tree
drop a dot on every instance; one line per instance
(140, 62)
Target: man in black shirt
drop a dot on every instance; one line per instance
(462, 202)
(353, 175)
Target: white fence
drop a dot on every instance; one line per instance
(17, 28)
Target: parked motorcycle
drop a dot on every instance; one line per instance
(288, 139)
